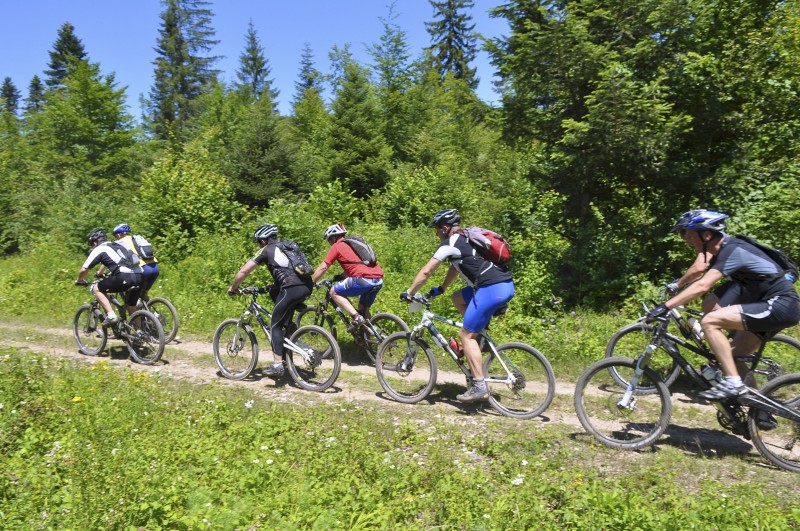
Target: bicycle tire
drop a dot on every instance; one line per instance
(781, 445)
(147, 346)
(168, 317)
(308, 316)
(88, 332)
(235, 349)
(401, 383)
(326, 364)
(526, 397)
(630, 341)
(385, 324)
(597, 394)
(785, 351)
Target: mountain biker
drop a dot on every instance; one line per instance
(149, 266)
(489, 288)
(757, 297)
(288, 289)
(361, 279)
(121, 279)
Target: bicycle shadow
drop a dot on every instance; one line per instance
(704, 442)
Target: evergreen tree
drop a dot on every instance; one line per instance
(254, 70)
(9, 96)
(454, 41)
(310, 77)
(35, 95)
(67, 45)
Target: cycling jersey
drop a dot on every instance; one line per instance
(106, 255)
(474, 269)
(278, 265)
(347, 257)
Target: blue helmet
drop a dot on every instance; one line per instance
(700, 220)
(122, 228)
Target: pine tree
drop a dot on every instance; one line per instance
(254, 70)
(9, 96)
(310, 77)
(67, 45)
(454, 40)
(35, 97)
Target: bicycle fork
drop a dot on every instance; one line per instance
(628, 401)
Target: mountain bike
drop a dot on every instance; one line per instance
(631, 340)
(141, 332)
(162, 308)
(367, 336)
(635, 414)
(520, 379)
(311, 355)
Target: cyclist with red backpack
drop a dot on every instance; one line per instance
(489, 288)
(364, 277)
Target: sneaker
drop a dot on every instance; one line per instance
(765, 421)
(110, 321)
(356, 323)
(723, 390)
(274, 370)
(474, 394)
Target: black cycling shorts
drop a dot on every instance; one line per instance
(770, 315)
(121, 283)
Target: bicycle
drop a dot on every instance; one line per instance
(311, 355)
(520, 379)
(142, 332)
(368, 337)
(630, 341)
(163, 310)
(631, 416)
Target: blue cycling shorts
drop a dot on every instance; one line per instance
(483, 302)
(367, 288)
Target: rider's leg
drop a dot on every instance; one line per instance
(715, 324)
(103, 300)
(343, 303)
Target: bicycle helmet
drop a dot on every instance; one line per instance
(448, 216)
(97, 235)
(122, 228)
(265, 232)
(701, 219)
(335, 230)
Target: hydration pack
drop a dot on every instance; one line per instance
(489, 244)
(362, 249)
(143, 247)
(127, 258)
(787, 265)
(297, 260)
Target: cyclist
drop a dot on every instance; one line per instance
(121, 279)
(149, 266)
(361, 279)
(288, 289)
(757, 298)
(489, 288)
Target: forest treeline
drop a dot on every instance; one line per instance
(615, 117)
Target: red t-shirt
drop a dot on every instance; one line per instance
(342, 252)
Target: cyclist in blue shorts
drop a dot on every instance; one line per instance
(489, 288)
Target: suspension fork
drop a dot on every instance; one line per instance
(628, 401)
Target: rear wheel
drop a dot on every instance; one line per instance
(235, 349)
(167, 315)
(319, 368)
(526, 388)
(384, 324)
(781, 444)
(406, 367)
(630, 342)
(89, 334)
(146, 341)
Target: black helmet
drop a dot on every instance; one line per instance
(700, 220)
(265, 232)
(97, 235)
(448, 216)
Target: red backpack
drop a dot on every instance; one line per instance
(489, 244)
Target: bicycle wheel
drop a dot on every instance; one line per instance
(597, 395)
(321, 371)
(309, 316)
(780, 445)
(384, 324)
(534, 383)
(235, 349)
(630, 342)
(146, 344)
(785, 352)
(167, 315)
(89, 334)
(406, 368)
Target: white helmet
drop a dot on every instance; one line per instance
(335, 230)
(265, 232)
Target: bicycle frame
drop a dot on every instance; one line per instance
(322, 310)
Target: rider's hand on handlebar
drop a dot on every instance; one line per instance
(81, 283)
(98, 275)
(405, 297)
(434, 292)
(672, 288)
(234, 292)
(656, 314)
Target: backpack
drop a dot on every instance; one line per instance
(490, 245)
(788, 266)
(362, 249)
(297, 260)
(127, 257)
(143, 247)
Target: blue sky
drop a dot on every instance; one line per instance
(121, 35)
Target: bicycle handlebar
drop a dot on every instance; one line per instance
(252, 290)
(324, 283)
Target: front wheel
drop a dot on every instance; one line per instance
(235, 349)
(145, 337)
(781, 444)
(90, 335)
(317, 368)
(384, 325)
(521, 381)
(631, 341)
(629, 426)
(167, 315)
(406, 367)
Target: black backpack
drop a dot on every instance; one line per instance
(127, 257)
(297, 260)
(362, 249)
(783, 261)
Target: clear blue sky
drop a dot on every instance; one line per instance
(121, 35)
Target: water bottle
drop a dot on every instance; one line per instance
(712, 374)
(697, 330)
(456, 346)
